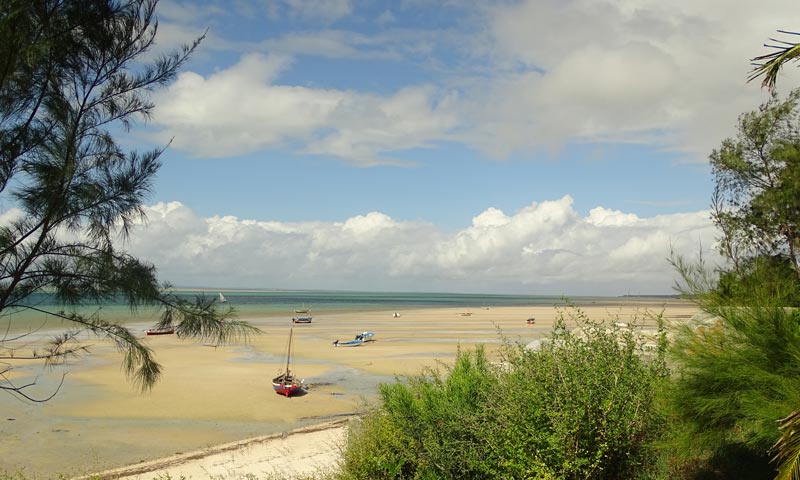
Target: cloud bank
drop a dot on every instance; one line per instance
(544, 248)
(507, 77)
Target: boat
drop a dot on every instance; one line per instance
(303, 310)
(531, 321)
(286, 383)
(160, 331)
(351, 343)
(366, 336)
(301, 319)
(222, 298)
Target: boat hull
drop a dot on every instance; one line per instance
(287, 390)
(301, 320)
(160, 331)
(351, 343)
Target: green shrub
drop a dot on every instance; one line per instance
(582, 406)
(733, 382)
(428, 427)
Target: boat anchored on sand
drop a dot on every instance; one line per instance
(286, 383)
(303, 310)
(301, 319)
(351, 343)
(160, 331)
(360, 339)
(366, 336)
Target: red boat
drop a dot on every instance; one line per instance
(286, 383)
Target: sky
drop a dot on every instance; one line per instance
(542, 147)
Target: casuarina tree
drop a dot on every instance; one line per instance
(74, 75)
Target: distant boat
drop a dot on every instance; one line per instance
(530, 321)
(222, 298)
(160, 331)
(303, 310)
(351, 343)
(466, 314)
(286, 382)
(301, 319)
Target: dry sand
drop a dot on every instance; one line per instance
(211, 396)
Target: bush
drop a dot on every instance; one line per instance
(582, 406)
(733, 382)
(429, 427)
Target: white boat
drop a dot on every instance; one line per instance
(222, 298)
(366, 336)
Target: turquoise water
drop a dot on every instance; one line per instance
(249, 304)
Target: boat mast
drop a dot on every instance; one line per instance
(289, 353)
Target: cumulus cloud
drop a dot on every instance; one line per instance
(520, 76)
(544, 248)
(242, 109)
(670, 74)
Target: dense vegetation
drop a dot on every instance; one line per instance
(582, 405)
(737, 376)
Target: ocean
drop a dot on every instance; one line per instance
(276, 303)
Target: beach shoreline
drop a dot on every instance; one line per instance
(212, 396)
(300, 451)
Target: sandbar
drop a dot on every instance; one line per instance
(213, 397)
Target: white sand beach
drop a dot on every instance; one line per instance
(215, 410)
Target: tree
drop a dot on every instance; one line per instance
(736, 373)
(71, 73)
(787, 449)
(757, 177)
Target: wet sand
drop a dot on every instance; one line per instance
(210, 396)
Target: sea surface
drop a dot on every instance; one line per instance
(276, 303)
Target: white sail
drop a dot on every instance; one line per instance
(222, 298)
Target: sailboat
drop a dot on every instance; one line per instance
(222, 298)
(286, 383)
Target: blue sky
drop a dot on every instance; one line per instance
(542, 146)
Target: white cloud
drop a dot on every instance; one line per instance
(320, 10)
(526, 75)
(241, 109)
(544, 248)
(666, 73)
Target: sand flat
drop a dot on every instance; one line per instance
(215, 395)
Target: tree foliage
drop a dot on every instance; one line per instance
(770, 64)
(736, 373)
(755, 201)
(72, 74)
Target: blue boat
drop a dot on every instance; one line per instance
(301, 320)
(366, 336)
(351, 343)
